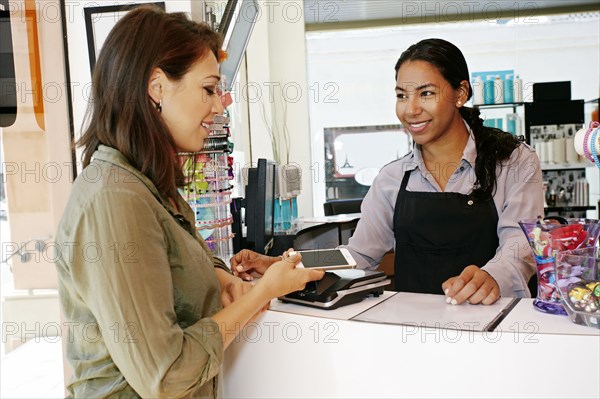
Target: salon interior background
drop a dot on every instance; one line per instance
(335, 57)
(349, 45)
(330, 64)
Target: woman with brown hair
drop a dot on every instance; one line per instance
(141, 293)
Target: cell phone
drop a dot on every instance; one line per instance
(326, 259)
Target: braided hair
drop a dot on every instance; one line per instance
(493, 145)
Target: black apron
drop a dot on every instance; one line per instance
(439, 234)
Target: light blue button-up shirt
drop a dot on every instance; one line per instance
(518, 195)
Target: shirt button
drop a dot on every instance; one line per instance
(470, 202)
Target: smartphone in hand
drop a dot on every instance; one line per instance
(326, 259)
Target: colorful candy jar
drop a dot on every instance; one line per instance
(547, 238)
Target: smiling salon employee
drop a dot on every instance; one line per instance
(450, 208)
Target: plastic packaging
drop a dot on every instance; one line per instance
(518, 90)
(488, 93)
(581, 192)
(571, 154)
(560, 155)
(519, 126)
(549, 239)
(549, 151)
(478, 90)
(511, 123)
(498, 90)
(509, 89)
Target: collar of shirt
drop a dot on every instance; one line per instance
(468, 157)
(115, 157)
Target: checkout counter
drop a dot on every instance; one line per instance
(413, 345)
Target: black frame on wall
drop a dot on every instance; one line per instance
(8, 100)
(89, 12)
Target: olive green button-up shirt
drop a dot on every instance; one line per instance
(137, 287)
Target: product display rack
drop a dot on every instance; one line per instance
(553, 172)
(514, 106)
(502, 105)
(209, 174)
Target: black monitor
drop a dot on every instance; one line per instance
(236, 26)
(260, 197)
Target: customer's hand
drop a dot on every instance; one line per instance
(283, 277)
(248, 264)
(232, 287)
(473, 285)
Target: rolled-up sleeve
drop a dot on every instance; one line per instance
(125, 279)
(520, 184)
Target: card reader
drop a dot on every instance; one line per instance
(339, 288)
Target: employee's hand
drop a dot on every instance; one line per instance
(473, 285)
(248, 264)
(283, 277)
(232, 287)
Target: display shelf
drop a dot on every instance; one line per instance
(514, 106)
(503, 105)
(569, 208)
(564, 166)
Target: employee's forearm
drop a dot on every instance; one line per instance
(234, 317)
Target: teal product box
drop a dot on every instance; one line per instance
(511, 123)
(285, 215)
(498, 123)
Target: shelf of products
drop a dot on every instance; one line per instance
(511, 121)
(564, 166)
(550, 209)
(550, 128)
(209, 177)
(502, 105)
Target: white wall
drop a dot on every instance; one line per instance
(277, 89)
(78, 50)
(359, 65)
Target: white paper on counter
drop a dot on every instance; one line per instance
(426, 310)
(342, 313)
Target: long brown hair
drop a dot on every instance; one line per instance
(121, 114)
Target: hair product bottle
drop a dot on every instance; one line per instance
(478, 90)
(508, 89)
(518, 90)
(498, 90)
(489, 90)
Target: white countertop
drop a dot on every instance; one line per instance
(294, 351)
(524, 318)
